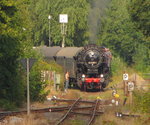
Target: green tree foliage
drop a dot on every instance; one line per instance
(76, 28)
(11, 86)
(119, 32)
(140, 13)
(38, 87)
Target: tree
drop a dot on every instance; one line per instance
(140, 13)
(119, 32)
(76, 28)
(12, 37)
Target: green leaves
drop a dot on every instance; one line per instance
(77, 23)
(119, 32)
(140, 12)
(38, 88)
(11, 36)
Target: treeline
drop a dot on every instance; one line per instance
(125, 30)
(123, 26)
(11, 43)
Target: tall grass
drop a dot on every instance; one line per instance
(142, 101)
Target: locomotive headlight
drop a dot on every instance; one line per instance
(83, 76)
(101, 75)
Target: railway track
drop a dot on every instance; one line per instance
(93, 110)
(68, 112)
(77, 107)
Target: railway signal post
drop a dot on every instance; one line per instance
(63, 19)
(125, 79)
(130, 90)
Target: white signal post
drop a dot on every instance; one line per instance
(125, 79)
(63, 19)
(130, 90)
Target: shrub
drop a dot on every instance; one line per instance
(117, 65)
(37, 85)
(142, 101)
(7, 105)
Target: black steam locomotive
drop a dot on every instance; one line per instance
(87, 65)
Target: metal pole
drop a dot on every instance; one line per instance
(130, 97)
(28, 93)
(49, 17)
(49, 33)
(63, 33)
(124, 87)
(54, 80)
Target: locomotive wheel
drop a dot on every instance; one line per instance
(85, 88)
(82, 87)
(103, 85)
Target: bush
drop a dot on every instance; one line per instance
(117, 65)
(37, 85)
(7, 105)
(142, 101)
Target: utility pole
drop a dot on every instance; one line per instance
(28, 91)
(27, 63)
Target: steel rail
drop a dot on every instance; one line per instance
(35, 110)
(75, 108)
(50, 109)
(94, 112)
(10, 113)
(72, 100)
(70, 109)
(82, 113)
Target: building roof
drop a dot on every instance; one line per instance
(48, 51)
(68, 52)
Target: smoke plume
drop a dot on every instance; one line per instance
(94, 20)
